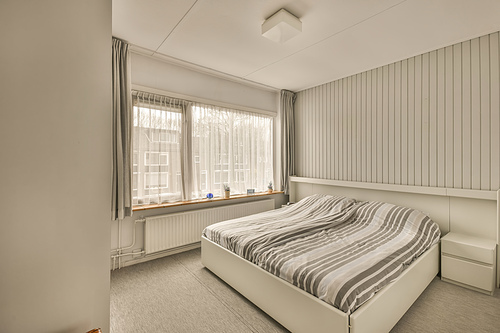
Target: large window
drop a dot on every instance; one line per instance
(218, 146)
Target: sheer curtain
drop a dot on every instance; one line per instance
(230, 147)
(287, 100)
(121, 205)
(158, 144)
(184, 150)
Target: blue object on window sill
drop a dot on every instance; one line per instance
(210, 196)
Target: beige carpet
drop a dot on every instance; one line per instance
(177, 294)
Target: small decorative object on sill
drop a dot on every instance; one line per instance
(250, 191)
(270, 187)
(227, 191)
(210, 196)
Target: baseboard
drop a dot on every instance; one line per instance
(157, 255)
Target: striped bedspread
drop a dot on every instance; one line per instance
(336, 248)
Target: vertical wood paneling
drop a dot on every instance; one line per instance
(441, 170)
(476, 115)
(369, 123)
(324, 142)
(449, 115)
(380, 127)
(337, 131)
(425, 120)
(484, 51)
(358, 128)
(397, 123)
(327, 108)
(430, 120)
(466, 116)
(418, 120)
(411, 121)
(345, 134)
(390, 97)
(457, 114)
(304, 133)
(310, 154)
(373, 102)
(433, 119)
(350, 134)
(317, 131)
(364, 128)
(404, 122)
(495, 111)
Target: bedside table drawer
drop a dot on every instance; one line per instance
(468, 250)
(468, 273)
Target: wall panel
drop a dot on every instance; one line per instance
(430, 120)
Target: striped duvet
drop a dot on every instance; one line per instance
(335, 248)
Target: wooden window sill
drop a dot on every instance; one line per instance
(198, 201)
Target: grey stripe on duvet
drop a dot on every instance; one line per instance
(359, 288)
(335, 248)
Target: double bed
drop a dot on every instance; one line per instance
(332, 294)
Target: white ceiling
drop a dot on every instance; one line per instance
(339, 37)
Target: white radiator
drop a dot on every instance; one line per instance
(173, 230)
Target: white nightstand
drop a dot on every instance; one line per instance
(469, 262)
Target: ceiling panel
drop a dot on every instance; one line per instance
(147, 23)
(339, 37)
(391, 36)
(225, 35)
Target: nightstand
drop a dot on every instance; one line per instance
(469, 262)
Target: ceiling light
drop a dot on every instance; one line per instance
(281, 26)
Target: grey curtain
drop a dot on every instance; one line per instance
(121, 205)
(186, 152)
(287, 100)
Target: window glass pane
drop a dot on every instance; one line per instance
(232, 147)
(229, 147)
(156, 153)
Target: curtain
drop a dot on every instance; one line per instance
(161, 149)
(122, 132)
(184, 150)
(287, 100)
(230, 147)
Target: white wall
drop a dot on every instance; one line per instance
(55, 143)
(157, 74)
(154, 73)
(430, 120)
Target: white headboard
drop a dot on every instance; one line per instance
(471, 212)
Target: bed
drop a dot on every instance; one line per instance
(300, 311)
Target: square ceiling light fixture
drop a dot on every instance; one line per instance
(281, 26)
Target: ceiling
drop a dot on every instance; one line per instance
(339, 37)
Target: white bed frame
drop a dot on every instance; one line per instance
(299, 311)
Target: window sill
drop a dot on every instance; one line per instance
(198, 201)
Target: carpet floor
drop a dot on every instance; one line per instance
(177, 294)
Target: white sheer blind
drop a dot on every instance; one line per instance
(230, 147)
(156, 149)
(223, 146)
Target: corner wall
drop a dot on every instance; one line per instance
(55, 141)
(157, 74)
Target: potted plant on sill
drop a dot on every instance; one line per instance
(270, 187)
(227, 191)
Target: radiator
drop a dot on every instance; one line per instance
(169, 231)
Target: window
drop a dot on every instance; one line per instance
(156, 150)
(226, 147)
(234, 147)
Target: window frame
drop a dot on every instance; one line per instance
(273, 146)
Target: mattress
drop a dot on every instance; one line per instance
(336, 248)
